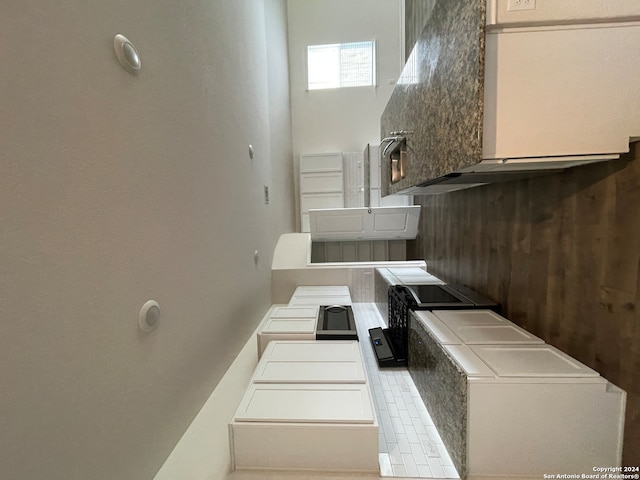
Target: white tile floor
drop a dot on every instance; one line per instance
(410, 445)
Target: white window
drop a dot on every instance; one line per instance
(341, 65)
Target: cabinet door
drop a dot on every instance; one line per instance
(330, 403)
(321, 182)
(311, 362)
(482, 327)
(318, 200)
(539, 361)
(294, 312)
(320, 162)
(384, 223)
(570, 91)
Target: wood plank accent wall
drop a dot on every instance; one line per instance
(561, 253)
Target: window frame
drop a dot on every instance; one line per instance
(374, 66)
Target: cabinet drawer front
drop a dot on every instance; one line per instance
(294, 312)
(321, 200)
(321, 182)
(290, 325)
(296, 403)
(320, 162)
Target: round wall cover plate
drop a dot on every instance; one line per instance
(149, 316)
(126, 53)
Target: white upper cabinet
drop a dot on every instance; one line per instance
(561, 79)
(567, 90)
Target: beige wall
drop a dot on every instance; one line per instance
(115, 189)
(343, 119)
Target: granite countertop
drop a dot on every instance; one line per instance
(439, 96)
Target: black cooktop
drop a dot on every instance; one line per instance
(432, 297)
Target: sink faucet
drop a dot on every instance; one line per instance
(395, 138)
(392, 143)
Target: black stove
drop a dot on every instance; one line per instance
(391, 345)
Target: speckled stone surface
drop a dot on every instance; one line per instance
(443, 388)
(440, 95)
(416, 14)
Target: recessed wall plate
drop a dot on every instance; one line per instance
(127, 54)
(149, 316)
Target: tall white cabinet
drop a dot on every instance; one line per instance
(321, 183)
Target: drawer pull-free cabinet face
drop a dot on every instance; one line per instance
(321, 182)
(274, 371)
(310, 201)
(306, 403)
(531, 361)
(320, 295)
(294, 312)
(495, 334)
(321, 200)
(327, 351)
(330, 361)
(327, 361)
(322, 290)
(291, 320)
(414, 276)
(320, 300)
(288, 323)
(480, 327)
(455, 318)
(320, 162)
(305, 427)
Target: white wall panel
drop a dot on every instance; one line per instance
(118, 188)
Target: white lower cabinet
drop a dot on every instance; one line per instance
(567, 90)
(533, 427)
(522, 407)
(321, 295)
(340, 447)
(326, 361)
(541, 411)
(308, 407)
(287, 323)
(307, 403)
(478, 327)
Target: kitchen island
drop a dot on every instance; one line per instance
(506, 403)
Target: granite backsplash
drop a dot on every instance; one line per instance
(439, 96)
(443, 388)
